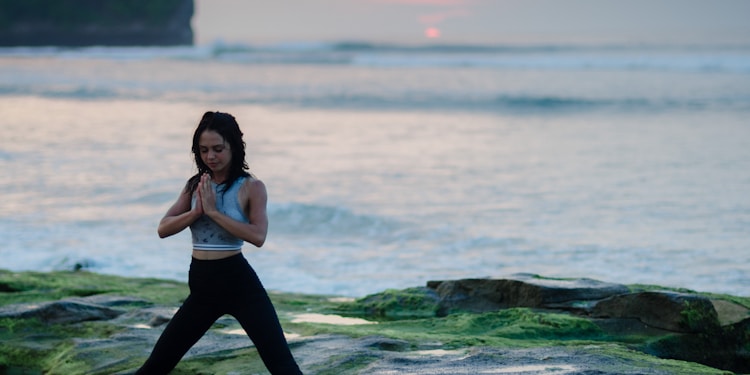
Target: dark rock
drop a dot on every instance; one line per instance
(62, 311)
(677, 312)
(7, 288)
(628, 327)
(72, 310)
(390, 345)
(113, 300)
(158, 320)
(522, 290)
(724, 347)
(154, 316)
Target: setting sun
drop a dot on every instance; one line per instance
(432, 32)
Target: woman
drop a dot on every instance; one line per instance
(224, 206)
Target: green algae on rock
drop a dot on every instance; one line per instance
(411, 332)
(395, 304)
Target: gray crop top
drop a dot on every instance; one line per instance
(207, 235)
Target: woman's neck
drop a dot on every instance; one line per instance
(219, 178)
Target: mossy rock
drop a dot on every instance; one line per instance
(407, 333)
(418, 302)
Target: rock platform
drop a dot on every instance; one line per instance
(77, 322)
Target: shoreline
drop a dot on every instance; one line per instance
(82, 322)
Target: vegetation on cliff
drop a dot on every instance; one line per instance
(95, 22)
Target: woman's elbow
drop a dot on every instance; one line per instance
(163, 232)
(258, 237)
(258, 241)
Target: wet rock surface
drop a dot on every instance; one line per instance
(521, 290)
(524, 324)
(60, 312)
(676, 325)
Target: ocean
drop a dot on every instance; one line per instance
(391, 165)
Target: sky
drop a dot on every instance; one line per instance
(473, 21)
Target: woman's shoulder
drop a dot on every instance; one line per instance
(253, 185)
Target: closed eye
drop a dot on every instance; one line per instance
(217, 149)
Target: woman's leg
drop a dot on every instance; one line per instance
(187, 326)
(253, 309)
(258, 318)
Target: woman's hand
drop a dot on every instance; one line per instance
(253, 199)
(198, 207)
(206, 196)
(181, 215)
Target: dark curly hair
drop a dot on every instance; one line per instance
(226, 125)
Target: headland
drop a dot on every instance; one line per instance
(81, 23)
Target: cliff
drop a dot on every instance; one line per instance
(77, 23)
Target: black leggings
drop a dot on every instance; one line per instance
(218, 287)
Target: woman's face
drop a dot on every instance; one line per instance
(215, 152)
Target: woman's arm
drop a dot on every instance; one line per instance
(180, 215)
(253, 198)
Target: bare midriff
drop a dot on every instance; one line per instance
(214, 254)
